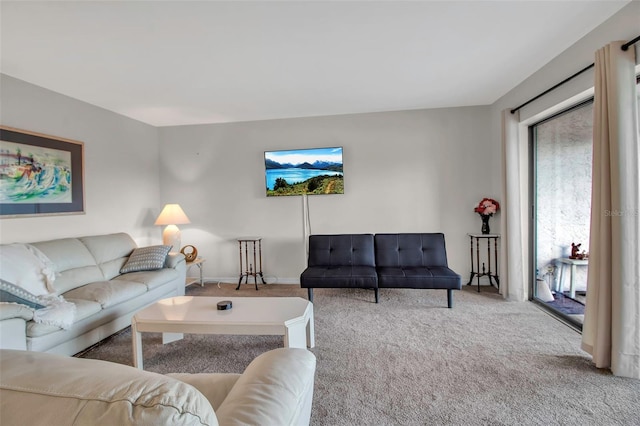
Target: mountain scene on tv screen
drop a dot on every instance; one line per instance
(312, 171)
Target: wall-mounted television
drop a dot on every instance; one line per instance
(304, 171)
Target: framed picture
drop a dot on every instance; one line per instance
(40, 174)
(313, 171)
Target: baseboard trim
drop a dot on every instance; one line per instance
(270, 279)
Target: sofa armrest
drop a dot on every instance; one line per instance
(13, 325)
(174, 259)
(15, 310)
(275, 389)
(214, 386)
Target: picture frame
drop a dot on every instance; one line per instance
(40, 175)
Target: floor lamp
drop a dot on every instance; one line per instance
(172, 215)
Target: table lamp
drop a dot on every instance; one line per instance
(172, 215)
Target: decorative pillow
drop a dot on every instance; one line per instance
(13, 294)
(27, 267)
(146, 259)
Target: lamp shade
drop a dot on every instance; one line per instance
(172, 214)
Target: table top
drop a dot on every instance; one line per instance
(249, 238)
(203, 310)
(570, 261)
(196, 261)
(484, 235)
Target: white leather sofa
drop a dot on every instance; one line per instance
(276, 389)
(88, 275)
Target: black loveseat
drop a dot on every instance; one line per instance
(417, 260)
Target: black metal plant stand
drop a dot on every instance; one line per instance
(475, 266)
(248, 269)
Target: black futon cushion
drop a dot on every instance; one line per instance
(345, 260)
(414, 261)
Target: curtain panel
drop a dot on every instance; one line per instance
(611, 330)
(514, 225)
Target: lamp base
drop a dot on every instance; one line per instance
(171, 237)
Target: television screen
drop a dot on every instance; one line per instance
(304, 171)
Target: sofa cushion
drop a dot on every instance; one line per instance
(110, 251)
(151, 279)
(107, 293)
(339, 276)
(341, 250)
(40, 388)
(146, 259)
(435, 277)
(410, 250)
(75, 266)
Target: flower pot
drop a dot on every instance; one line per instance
(485, 223)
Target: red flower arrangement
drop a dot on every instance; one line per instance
(487, 207)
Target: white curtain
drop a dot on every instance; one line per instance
(611, 331)
(513, 283)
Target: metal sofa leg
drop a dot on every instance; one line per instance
(376, 292)
(450, 298)
(310, 291)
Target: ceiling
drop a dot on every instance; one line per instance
(182, 62)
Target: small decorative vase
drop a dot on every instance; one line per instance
(485, 223)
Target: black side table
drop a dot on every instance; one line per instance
(250, 269)
(475, 266)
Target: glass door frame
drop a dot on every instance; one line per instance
(533, 255)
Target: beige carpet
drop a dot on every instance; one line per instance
(411, 361)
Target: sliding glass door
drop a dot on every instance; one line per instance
(562, 153)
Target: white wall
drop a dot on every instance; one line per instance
(410, 171)
(621, 26)
(121, 166)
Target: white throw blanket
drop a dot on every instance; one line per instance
(57, 312)
(30, 275)
(27, 267)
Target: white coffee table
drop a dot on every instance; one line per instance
(291, 317)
